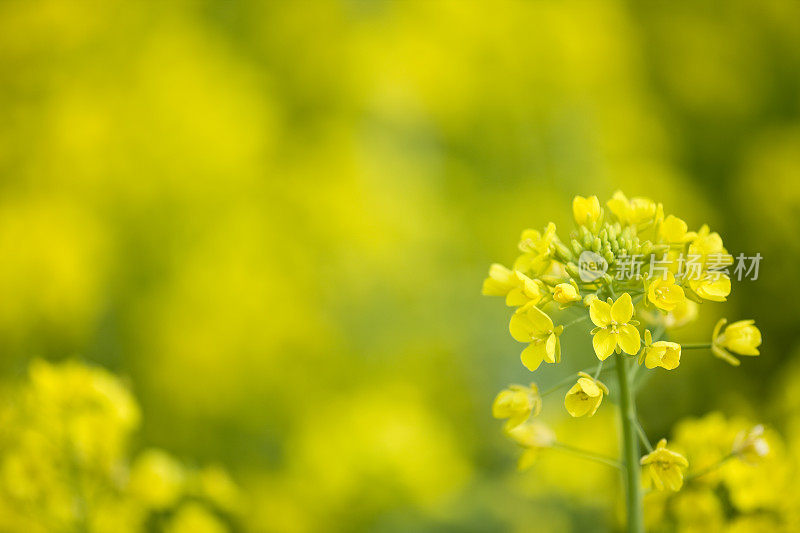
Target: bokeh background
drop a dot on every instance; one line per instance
(271, 220)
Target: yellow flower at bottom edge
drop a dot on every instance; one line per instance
(532, 325)
(517, 403)
(615, 329)
(585, 396)
(741, 337)
(664, 468)
(586, 210)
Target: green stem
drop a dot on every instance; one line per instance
(627, 407)
(709, 469)
(643, 436)
(696, 346)
(585, 454)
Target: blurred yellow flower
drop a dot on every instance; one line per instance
(157, 479)
(532, 325)
(533, 436)
(586, 210)
(517, 403)
(664, 293)
(537, 249)
(500, 281)
(741, 337)
(711, 286)
(664, 468)
(585, 396)
(615, 327)
(675, 230)
(195, 518)
(751, 446)
(632, 211)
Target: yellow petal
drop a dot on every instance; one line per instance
(629, 339)
(533, 355)
(604, 342)
(600, 313)
(622, 310)
(521, 327)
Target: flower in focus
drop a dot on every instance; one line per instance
(664, 468)
(585, 396)
(615, 329)
(532, 325)
(566, 293)
(665, 354)
(664, 293)
(533, 436)
(741, 337)
(586, 210)
(631, 211)
(517, 403)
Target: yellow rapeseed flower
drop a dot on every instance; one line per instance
(742, 338)
(536, 249)
(632, 211)
(532, 325)
(500, 281)
(675, 230)
(615, 327)
(664, 468)
(586, 210)
(566, 293)
(585, 396)
(664, 293)
(533, 436)
(517, 403)
(665, 354)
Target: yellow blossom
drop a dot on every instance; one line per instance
(675, 230)
(526, 291)
(536, 248)
(565, 293)
(532, 325)
(711, 286)
(751, 446)
(664, 293)
(517, 403)
(533, 436)
(632, 211)
(664, 468)
(500, 281)
(665, 354)
(742, 338)
(585, 396)
(615, 327)
(586, 210)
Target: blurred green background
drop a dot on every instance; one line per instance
(273, 218)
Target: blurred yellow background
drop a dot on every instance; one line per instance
(272, 220)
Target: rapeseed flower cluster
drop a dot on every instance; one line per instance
(635, 273)
(65, 463)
